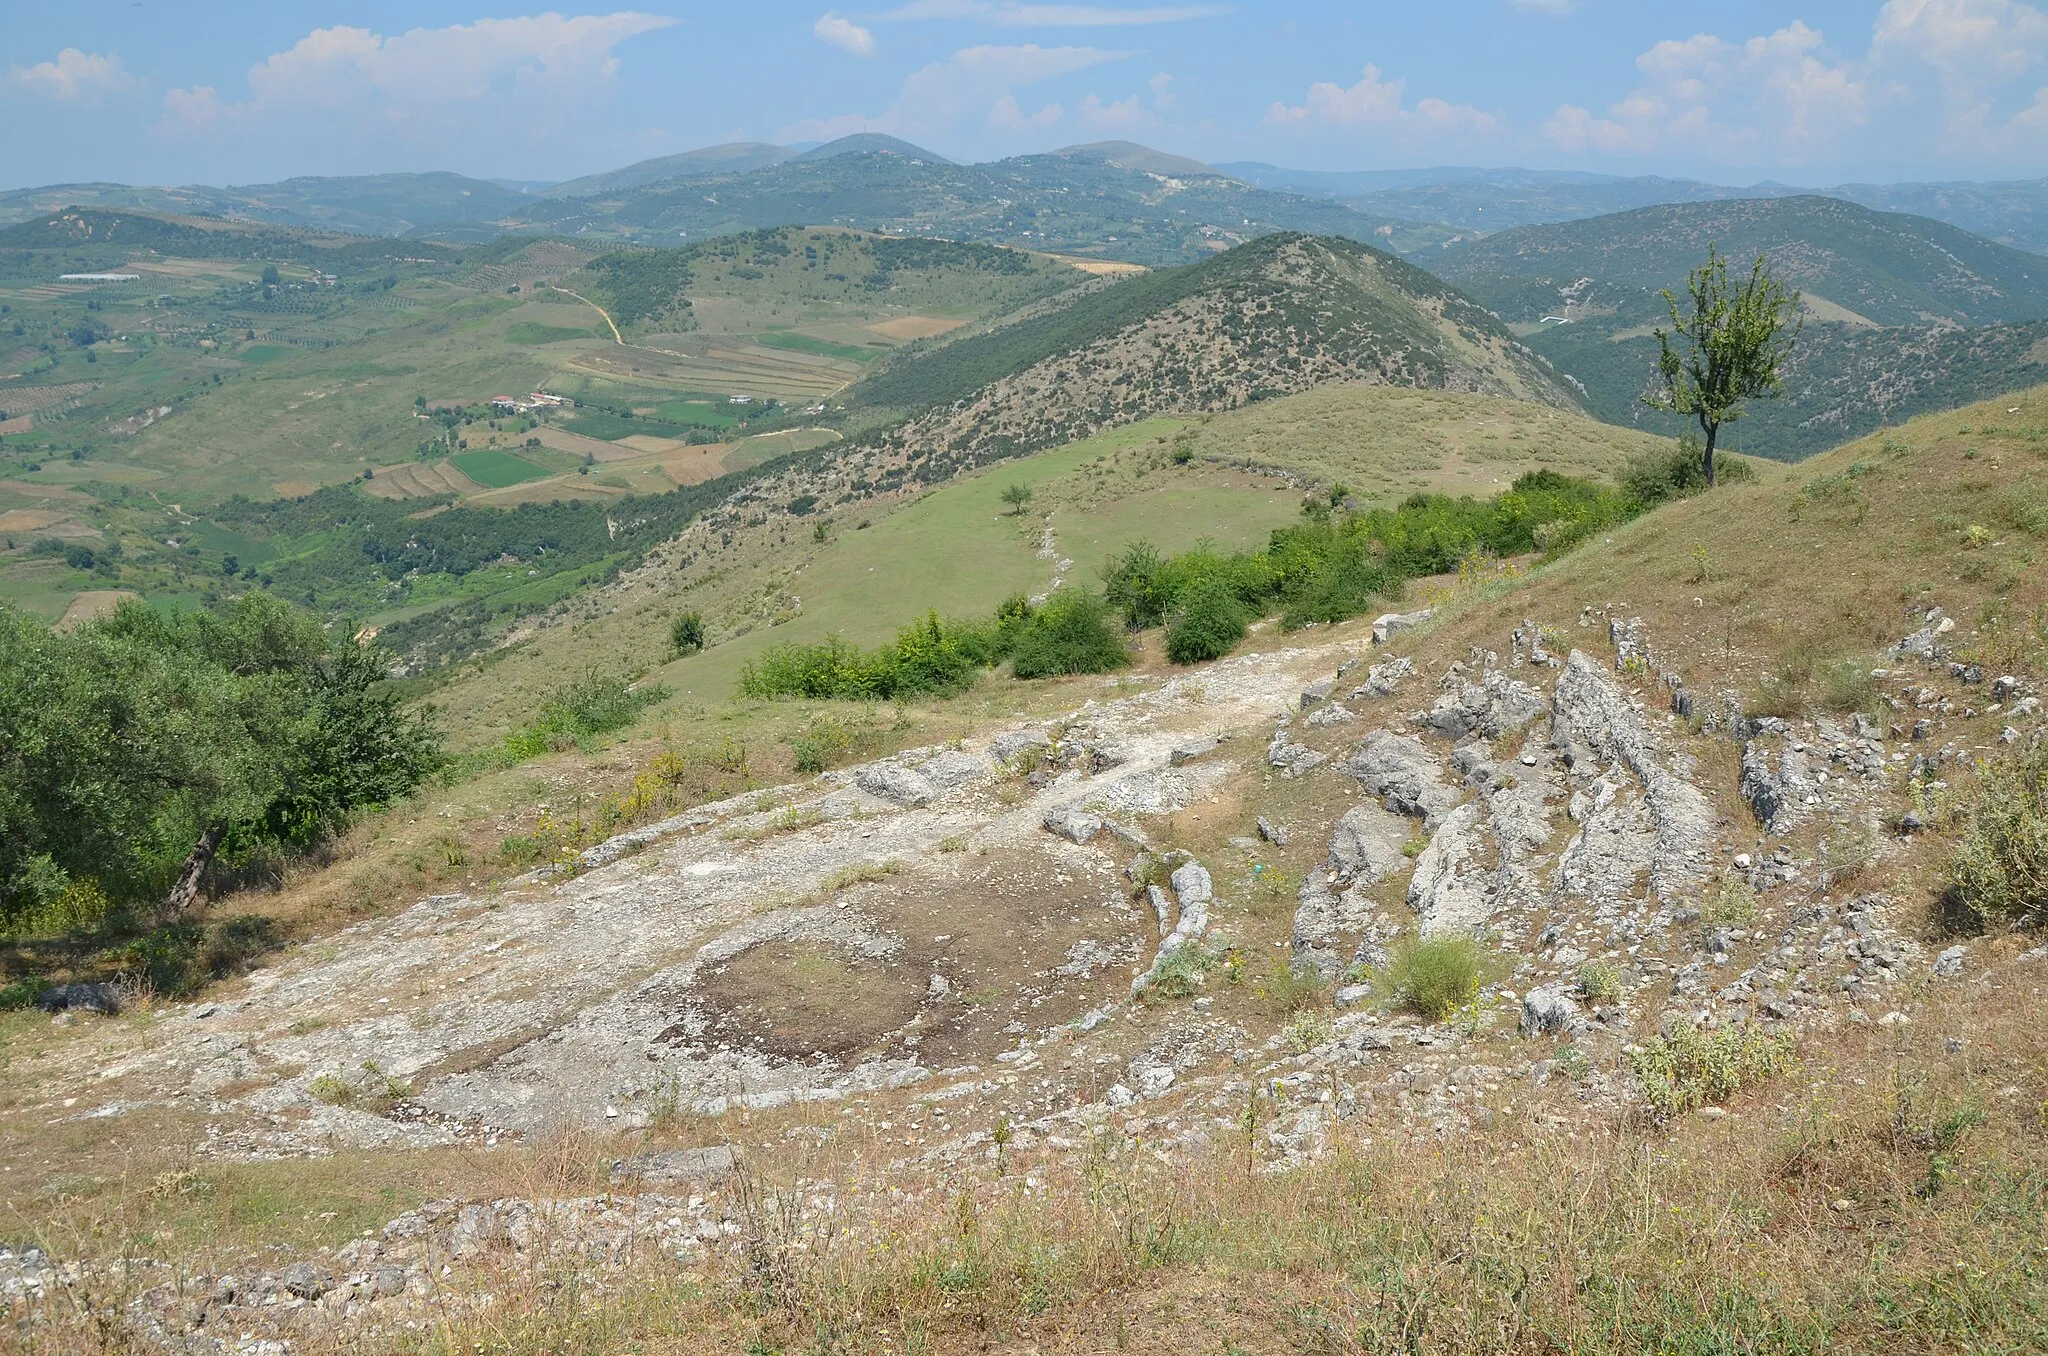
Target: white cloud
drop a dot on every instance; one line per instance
(1941, 79)
(1982, 56)
(73, 77)
(1121, 115)
(940, 100)
(1163, 96)
(844, 34)
(1010, 120)
(495, 76)
(1016, 15)
(1378, 103)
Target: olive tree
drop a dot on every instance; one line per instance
(1725, 346)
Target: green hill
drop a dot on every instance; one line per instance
(733, 157)
(818, 273)
(1854, 265)
(1279, 315)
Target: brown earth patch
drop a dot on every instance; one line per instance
(93, 603)
(908, 327)
(976, 949)
(27, 520)
(578, 444)
(21, 423)
(293, 489)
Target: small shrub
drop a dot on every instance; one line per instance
(1435, 976)
(1181, 973)
(1296, 988)
(1210, 623)
(23, 992)
(1846, 685)
(1310, 1028)
(1690, 1068)
(1999, 871)
(1601, 982)
(370, 1089)
(1730, 906)
(686, 633)
(333, 1090)
(829, 741)
(1071, 634)
(863, 873)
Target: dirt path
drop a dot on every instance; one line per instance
(617, 338)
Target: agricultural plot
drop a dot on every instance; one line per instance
(497, 470)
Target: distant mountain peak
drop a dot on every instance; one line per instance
(872, 143)
(1132, 156)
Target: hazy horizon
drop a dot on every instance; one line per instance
(1818, 93)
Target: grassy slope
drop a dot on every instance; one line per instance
(957, 549)
(1800, 1221)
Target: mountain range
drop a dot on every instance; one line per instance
(1118, 200)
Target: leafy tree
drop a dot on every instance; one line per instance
(686, 633)
(1725, 349)
(1018, 497)
(270, 275)
(137, 747)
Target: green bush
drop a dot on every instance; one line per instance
(1999, 870)
(24, 992)
(1435, 976)
(927, 657)
(686, 633)
(1678, 472)
(1212, 621)
(1070, 634)
(1690, 1068)
(1601, 982)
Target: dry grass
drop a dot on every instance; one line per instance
(1889, 1200)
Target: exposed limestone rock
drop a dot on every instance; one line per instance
(1452, 890)
(896, 784)
(1548, 1009)
(1366, 845)
(1365, 848)
(1074, 825)
(1594, 722)
(1490, 707)
(1404, 774)
(1193, 891)
(1386, 626)
(1631, 648)
(1383, 678)
(1775, 796)
(1014, 746)
(1291, 758)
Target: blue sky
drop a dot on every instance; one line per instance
(234, 91)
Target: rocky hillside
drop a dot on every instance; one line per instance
(1584, 921)
(1270, 318)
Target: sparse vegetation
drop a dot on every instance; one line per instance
(1999, 870)
(1690, 1068)
(1602, 983)
(1434, 976)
